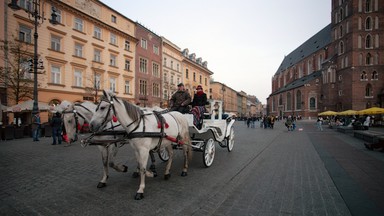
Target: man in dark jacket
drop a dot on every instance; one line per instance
(56, 124)
(180, 100)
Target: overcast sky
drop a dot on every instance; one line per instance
(243, 41)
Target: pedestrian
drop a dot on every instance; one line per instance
(180, 100)
(56, 124)
(319, 123)
(36, 123)
(367, 122)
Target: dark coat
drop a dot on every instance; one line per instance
(180, 99)
(199, 100)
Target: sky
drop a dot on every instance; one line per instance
(243, 41)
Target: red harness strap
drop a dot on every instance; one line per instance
(173, 139)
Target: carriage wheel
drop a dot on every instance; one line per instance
(230, 140)
(163, 154)
(209, 152)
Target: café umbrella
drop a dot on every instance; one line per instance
(347, 112)
(328, 113)
(27, 106)
(371, 111)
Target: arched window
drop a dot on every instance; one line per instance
(298, 100)
(368, 5)
(368, 23)
(341, 30)
(312, 103)
(363, 76)
(289, 101)
(341, 14)
(368, 90)
(368, 41)
(281, 100)
(341, 47)
(368, 59)
(375, 76)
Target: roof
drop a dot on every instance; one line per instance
(320, 40)
(299, 82)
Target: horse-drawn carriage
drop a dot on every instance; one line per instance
(146, 130)
(217, 127)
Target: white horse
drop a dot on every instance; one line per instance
(146, 131)
(77, 114)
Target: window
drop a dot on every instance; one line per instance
(177, 67)
(165, 77)
(368, 23)
(156, 49)
(341, 47)
(97, 32)
(113, 39)
(172, 80)
(112, 60)
(78, 50)
(165, 62)
(312, 103)
(206, 81)
(363, 76)
(127, 45)
(26, 4)
(298, 100)
(55, 43)
(127, 87)
(368, 59)
(289, 101)
(186, 73)
(97, 55)
(156, 90)
(281, 100)
(165, 95)
(156, 70)
(79, 24)
(368, 42)
(200, 79)
(143, 43)
(78, 78)
(368, 6)
(375, 75)
(368, 90)
(58, 13)
(143, 87)
(55, 74)
(97, 81)
(127, 65)
(143, 65)
(171, 64)
(194, 76)
(112, 84)
(25, 34)
(113, 19)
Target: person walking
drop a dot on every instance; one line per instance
(319, 123)
(36, 123)
(56, 124)
(180, 100)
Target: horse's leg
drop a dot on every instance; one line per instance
(167, 173)
(136, 174)
(112, 152)
(143, 154)
(104, 157)
(153, 161)
(186, 152)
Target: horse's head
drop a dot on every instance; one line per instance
(104, 111)
(70, 121)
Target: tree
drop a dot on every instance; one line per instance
(17, 77)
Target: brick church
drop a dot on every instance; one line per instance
(339, 68)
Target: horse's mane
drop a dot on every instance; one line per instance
(134, 112)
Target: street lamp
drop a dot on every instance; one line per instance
(35, 13)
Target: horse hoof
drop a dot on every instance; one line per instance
(139, 196)
(135, 175)
(125, 168)
(154, 174)
(167, 176)
(184, 174)
(101, 185)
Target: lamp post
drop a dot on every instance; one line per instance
(35, 13)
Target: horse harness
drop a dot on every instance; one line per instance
(144, 134)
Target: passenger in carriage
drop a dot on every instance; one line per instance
(198, 106)
(180, 100)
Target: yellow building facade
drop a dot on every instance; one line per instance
(91, 46)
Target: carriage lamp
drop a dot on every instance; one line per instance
(35, 12)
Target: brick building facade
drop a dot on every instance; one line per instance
(339, 68)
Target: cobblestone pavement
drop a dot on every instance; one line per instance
(269, 172)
